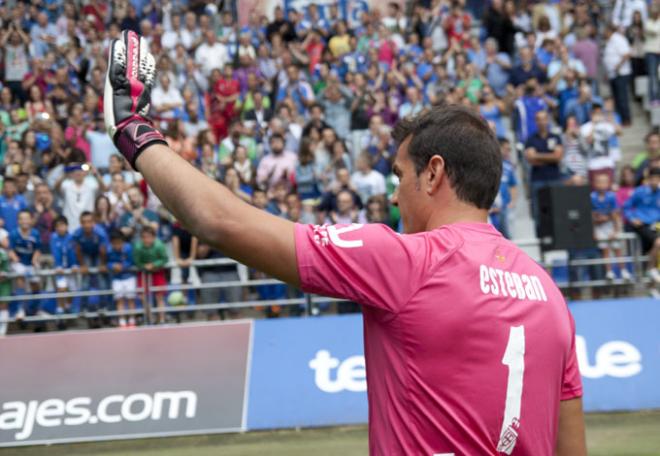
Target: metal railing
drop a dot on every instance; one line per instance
(306, 301)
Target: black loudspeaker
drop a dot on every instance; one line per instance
(565, 218)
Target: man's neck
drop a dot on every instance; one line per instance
(456, 212)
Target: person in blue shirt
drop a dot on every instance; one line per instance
(124, 284)
(525, 109)
(90, 244)
(642, 210)
(527, 69)
(508, 188)
(11, 203)
(607, 223)
(64, 257)
(25, 254)
(543, 151)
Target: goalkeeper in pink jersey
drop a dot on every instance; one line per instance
(469, 345)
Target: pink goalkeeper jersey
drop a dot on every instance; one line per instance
(469, 345)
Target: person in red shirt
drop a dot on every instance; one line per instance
(222, 102)
(457, 26)
(469, 345)
(313, 46)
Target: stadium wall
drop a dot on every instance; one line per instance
(262, 374)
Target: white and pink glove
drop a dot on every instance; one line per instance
(131, 74)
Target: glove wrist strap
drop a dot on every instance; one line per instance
(134, 136)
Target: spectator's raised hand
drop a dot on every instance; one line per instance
(130, 77)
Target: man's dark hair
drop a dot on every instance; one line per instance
(115, 235)
(85, 214)
(61, 219)
(473, 161)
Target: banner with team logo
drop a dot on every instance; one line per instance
(112, 384)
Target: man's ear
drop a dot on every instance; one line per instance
(435, 174)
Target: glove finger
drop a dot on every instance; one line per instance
(133, 48)
(132, 45)
(117, 64)
(147, 65)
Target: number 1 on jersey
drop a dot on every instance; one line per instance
(514, 358)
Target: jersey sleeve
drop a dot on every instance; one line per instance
(369, 264)
(571, 387)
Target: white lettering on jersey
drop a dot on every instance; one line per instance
(498, 282)
(334, 232)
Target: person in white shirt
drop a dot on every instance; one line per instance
(652, 53)
(366, 181)
(616, 58)
(173, 32)
(623, 11)
(211, 54)
(101, 146)
(190, 34)
(78, 191)
(166, 98)
(595, 138)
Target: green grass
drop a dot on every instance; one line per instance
(629, 434)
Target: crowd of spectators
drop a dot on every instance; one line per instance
(293, 112)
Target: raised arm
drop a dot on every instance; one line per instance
(213, 213)
(209, 210)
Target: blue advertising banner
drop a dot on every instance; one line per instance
(618, 349)
(310, 372)
(307, 372)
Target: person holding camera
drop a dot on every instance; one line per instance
(78, 187)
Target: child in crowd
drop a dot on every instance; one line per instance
(124, 285)
(25, 254)
(607, 222)
(150, 257)
(64, 257)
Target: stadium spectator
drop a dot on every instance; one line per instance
(278, 165)
(607, 223)
(150, 258)
(25, 254)
(167, 99)
(64, 257)
(11, 204)
(624, 10)
(78, 190)
(45, 212)
(642, 210)
(124, 284)
(616, 58)
(137, 216)
(90, 243)
(543, 152)
(217, 273)
(596, 136)
(642, 160)
(652, 53)
(366, 180)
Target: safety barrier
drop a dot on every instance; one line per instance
(243, 375)
(560, 270)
